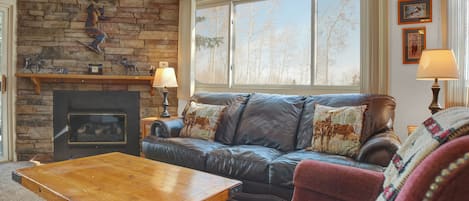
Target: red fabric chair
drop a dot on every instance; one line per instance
(442, 176)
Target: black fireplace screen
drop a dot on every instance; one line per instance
(97, 128)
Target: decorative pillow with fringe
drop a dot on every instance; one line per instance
(337, 130)
(202, 120)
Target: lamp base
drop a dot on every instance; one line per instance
(435, 106)
(165, 113)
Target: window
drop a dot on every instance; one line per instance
(287, 46)
(277, 43)
(458, 30)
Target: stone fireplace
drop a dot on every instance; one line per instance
(93, 122)
(143, 31)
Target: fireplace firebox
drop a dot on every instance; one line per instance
(94, 122)
(97, 128)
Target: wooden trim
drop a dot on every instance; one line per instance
(37, 79)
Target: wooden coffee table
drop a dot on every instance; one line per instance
(117, 176)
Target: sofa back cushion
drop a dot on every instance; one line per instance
(378, 117)
(270, 120)
(235, 103)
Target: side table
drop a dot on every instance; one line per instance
(145, 129)
(411, 129)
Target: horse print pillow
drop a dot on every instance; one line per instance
(337, 130)
(202, 120)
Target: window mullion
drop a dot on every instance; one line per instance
(231, 18)
(313, 40)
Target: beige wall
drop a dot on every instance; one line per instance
(412, 96)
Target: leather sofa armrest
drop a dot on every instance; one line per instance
(315, 180)
(379, 149)
(167, 128)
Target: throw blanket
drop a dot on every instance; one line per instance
(432, 133)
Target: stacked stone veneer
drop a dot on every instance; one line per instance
(143, 31)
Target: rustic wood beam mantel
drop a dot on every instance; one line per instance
(37, 79)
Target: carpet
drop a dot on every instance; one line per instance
(9, 189)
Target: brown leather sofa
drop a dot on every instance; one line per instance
(262, 137)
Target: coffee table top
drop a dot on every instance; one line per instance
(117, 176)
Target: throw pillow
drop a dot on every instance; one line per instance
(337, 130)
(201, 121)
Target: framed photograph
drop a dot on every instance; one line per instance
(414, 11)
(95, 69)
(413, 43)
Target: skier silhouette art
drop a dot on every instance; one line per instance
(91, 27)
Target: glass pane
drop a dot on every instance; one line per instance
(338, 43)
(211, 35)
(272, 41)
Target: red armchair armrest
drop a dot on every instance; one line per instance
(318, 181)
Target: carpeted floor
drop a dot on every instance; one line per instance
(9, 189)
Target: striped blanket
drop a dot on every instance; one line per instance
(433, 132)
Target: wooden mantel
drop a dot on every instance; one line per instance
(37, 79)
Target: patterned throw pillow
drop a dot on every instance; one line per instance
(337, 130)
(201, 121)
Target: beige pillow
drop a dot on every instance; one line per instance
(201, 121)
(337, 130)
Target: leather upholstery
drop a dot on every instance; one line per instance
(167, 127)
(186, 152)
(379, 148)
(282, 168)
(270, 120)
(248, 162)
(235, 105)
(263, 138)
(320, 181)
(441, 176)
(379, 115)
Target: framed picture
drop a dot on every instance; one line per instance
(413, 43)
(95, 69)
(414, 11)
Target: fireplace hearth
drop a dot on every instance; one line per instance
(94, 122)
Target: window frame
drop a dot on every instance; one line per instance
(373, 52)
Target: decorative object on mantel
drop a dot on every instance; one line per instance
(151, 70)
(95, 14)
(60, 70)
(95, 69)
(34, 64)
(129, 66)
(164, 78)
(437, 64)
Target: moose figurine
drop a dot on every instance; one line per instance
(130, 67)
(34, 65)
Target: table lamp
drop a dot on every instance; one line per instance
(164, 78)
(437, 64)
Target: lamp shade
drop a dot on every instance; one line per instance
(165, 77)
(437, 63)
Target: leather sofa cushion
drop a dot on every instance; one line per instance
(282, 168)
(379, 115)
(235, 104)
(245, 162)
(187, 152)
(270, 120)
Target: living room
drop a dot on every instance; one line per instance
(66, 59)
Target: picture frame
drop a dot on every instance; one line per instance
(414, 11)
(95, 69)
(413, 43)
